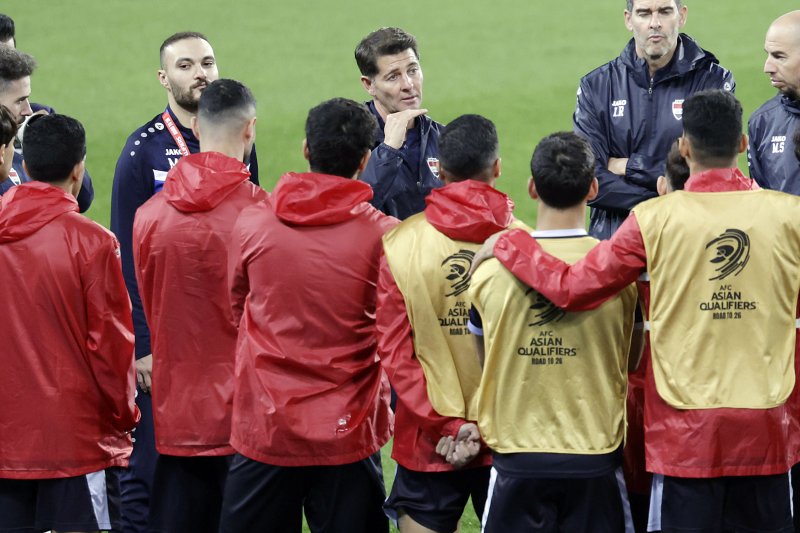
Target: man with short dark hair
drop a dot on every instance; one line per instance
(422, 336)
(188, 65)
(311, 402)
(67, 385)
(16, 69)
(723, 424)
(557, 452)
(772, 126)
(630, 108)
(188, 225)
(402, 170)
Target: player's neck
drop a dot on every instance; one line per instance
(183, 116)
(235, 151)
(549, 218)
(697, 168)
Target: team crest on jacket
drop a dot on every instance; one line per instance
(433, 164)
(677, 109)
(544, 311)
(731, 253)
(456, 269)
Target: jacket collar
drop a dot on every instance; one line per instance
(720, 180)
(687, 57)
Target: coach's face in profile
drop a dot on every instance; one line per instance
(782, 45)
(656, 25)
(398, 84)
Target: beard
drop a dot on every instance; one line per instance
(185, 97)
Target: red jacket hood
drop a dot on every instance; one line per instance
(26, 208)
(469, 210)
(310, 199)
(199, 182)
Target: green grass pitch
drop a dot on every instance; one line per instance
(515, 61)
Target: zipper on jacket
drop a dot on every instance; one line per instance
(650, 90)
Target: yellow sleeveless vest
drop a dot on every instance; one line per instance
(431, 272)
(723, 296)
(553, 382)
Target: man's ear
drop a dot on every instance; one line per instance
(306, 153)
(743, 144)
(2, 153)
(497, 168)
(685, 148)
(249, 131)
(368, 84)
(661, 185)
(532, 189)
(162, 79)
(364, 160)
(627, 16)
(195, 127)
(594, 188)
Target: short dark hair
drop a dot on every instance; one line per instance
(180, 36)
(53, 145)
(14, 65)
(8, 126)
(382, 42)
(678, 3)
(338, 134)
(7, 29)
(225, 100)
(677, 171)
(468, 147)
(562, 167)
(712, 120)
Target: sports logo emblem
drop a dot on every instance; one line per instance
(545, 311)
(456, 269)
(433, 166)
(677, 109)
(731, 253)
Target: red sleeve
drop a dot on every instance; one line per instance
(396, 350)
(110, 337)
(611, 266)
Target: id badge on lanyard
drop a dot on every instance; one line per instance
(175, 132)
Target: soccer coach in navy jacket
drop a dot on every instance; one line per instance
(630, 109)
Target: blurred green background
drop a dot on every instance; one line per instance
(517, 62)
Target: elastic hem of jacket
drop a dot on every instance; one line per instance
(722, 471)
(213, 450)
(66, 472)
(321, 459)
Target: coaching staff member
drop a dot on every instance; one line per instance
(188, 65)
(402, 170)
(630, 109)
(772, 126)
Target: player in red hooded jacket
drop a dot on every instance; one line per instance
(180, 247)
(423, 340)
(311, 402)
(67, 386)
